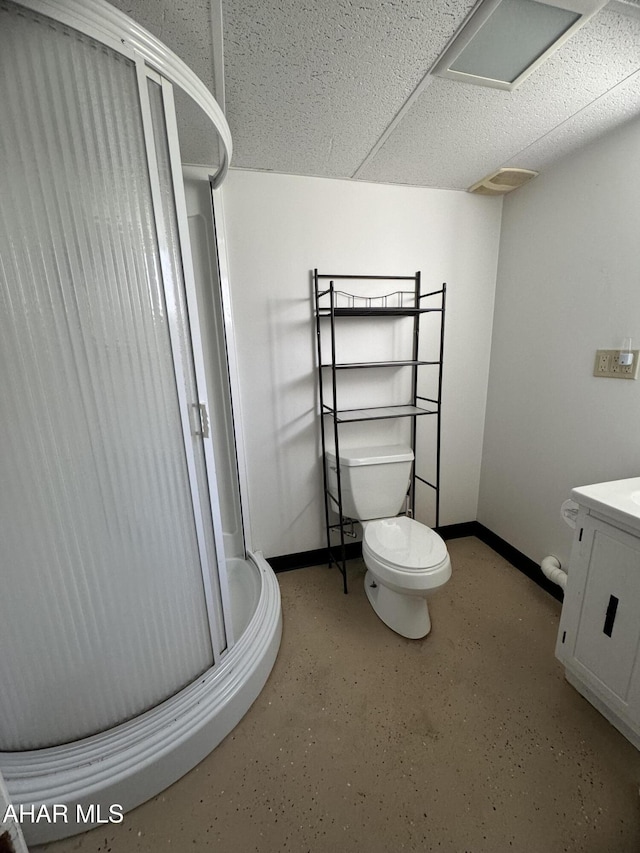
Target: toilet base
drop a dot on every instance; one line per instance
(407, 615)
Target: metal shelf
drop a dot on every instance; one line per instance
(333, 303)
(376, 312)
(358, 365)
(377, 413)
(367, 277)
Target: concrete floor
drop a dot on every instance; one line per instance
(362, 741)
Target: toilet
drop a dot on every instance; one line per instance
(406, 561)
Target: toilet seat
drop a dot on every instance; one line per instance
(405, 554)
(405, 542)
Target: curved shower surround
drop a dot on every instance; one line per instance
(135, 627)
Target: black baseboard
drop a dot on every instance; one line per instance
(521, 562)
(304, 559)
(457, 531)
(528, 567)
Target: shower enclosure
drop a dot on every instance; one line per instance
(136, 627)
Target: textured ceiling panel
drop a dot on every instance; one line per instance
(312, 84)
(605, 114)
(456, 133)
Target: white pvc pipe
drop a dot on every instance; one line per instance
(551, 569)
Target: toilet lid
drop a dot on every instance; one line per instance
(404, 542)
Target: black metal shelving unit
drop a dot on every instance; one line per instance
(332, 304)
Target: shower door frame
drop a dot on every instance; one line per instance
(233, 370)
(215, 583)
(153, 61)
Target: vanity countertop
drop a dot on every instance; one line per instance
(618, 499)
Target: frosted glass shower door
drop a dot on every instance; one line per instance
(103, 542)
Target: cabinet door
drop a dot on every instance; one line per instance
(601, 633)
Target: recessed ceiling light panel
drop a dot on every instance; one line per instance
(503, 41)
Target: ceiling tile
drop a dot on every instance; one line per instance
(621, 105)
(312, 85)
(456, 133)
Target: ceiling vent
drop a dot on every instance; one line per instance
(503, 181)
(503, 41)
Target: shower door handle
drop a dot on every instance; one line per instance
(203, 417)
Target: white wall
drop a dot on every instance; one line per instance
(568, 284)
(279, 228)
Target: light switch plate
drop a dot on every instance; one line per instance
(608, 366)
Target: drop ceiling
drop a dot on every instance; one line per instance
(341, 89)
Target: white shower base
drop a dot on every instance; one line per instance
(135, 761)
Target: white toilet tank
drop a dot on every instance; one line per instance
(374, 480)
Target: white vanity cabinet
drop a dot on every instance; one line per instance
(599, 636)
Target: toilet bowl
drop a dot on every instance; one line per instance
(406, 561)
